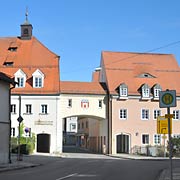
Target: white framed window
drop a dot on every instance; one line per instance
(176, 114)
(145, 91)
(20, 78)
(157, 139)
(38, 82)
(28, 109)
(156, 89)
(44, 109)
(123, 90)
(123, 113)
(69, 103)
(157, 113)
(20, 81)
(145, 139)
(13, 108)
(145, 114)
(100, 103)
(38, 79)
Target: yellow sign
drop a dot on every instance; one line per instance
(162, 125)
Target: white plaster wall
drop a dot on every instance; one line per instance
(30, 120)
(76, 109)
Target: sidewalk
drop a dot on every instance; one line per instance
(15, 164)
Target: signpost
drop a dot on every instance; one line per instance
(162, 125)
(167, 99)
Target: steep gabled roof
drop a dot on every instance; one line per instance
(135, 69)
(30, 55)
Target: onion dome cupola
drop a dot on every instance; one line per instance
(26, 29)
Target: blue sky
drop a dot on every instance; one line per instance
(79, 30)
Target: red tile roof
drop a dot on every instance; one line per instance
(123, 67)
(29, 56)
(69, 87)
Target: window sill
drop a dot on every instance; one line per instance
(43, 113)
(123, 97)
(27, 113)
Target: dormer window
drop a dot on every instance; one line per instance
(38, 79)
(12, 49)
(20, 78)
(123, 90)
(145, 91)
(156, 90)
(8, 63)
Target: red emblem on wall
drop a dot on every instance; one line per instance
(84, 103)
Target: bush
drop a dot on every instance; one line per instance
(27, 145)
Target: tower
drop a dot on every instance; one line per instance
(26, 29)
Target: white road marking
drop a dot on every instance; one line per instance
(65, 177)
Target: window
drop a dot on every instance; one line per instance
(28, 109)
(12, 132)
(69, 102)
(38, 79)
(145, 91)
(44, 108)
(72, 127)
(157, 113)
(145, 114)
(38, 82)
(145, 138)
(176, 114)
(20, 81)
(20, 78)
(123, 90)
(79, 126)
(100, 104)
(13, 108)
(156, 90)
(157, 139)
(25, 32)
(82, 125)
(123, 114)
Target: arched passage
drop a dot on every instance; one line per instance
(87, 132)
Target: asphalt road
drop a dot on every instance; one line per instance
(82, 166)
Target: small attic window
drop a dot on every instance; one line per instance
(145, 90)
(123, 90)
(156, 89)
(12, 49)
(38, 79)
(8, 63)
(146, 75)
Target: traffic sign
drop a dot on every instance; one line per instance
(20, 119)
(162, 125)
(167, 99)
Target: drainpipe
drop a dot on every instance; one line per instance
(9, 149)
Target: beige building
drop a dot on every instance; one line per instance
(134, 81)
